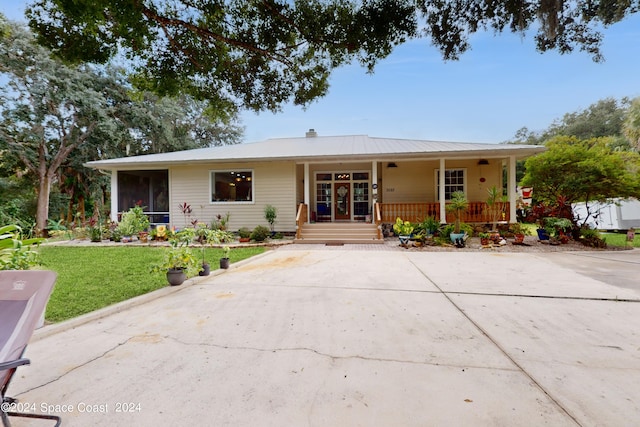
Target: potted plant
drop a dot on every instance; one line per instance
(557, 228)
(202, 234)
(403, 230)
(496, 204)
(519, 232)
(160, 233)
(224, 261)
(484, 239)
(244, 234)
(270, 214)
(457, 206)
(178, 263)
(220, 222)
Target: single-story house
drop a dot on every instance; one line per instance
(315, 179)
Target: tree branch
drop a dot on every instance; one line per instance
(165, 22)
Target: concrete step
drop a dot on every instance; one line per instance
(339, 233)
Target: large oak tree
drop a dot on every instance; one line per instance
(260, 54)
(55, 117)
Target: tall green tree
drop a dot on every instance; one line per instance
(163, 124)
(48, 110)
(261, 54)
(602, 119)
(631, 126)
(55, 117)
(574, 170)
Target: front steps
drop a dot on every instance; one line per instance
(335, 233)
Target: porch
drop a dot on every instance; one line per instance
(358, 231)
(476, 213)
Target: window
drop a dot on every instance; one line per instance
(454, 180)
(361, 198)
(148, 189)
(232, 186)
(323, 200)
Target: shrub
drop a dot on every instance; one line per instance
(133, 221)
(244, 232)
(16, 253)
(590, 237)
(260, 233)
(270, 214)
(429, 225)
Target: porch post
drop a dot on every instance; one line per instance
(511, 189)
(441, 196)
(374, 186)
(114, 196)
(307, 190)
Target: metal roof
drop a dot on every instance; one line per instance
(323, 148)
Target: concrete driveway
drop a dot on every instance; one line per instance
(316, 336)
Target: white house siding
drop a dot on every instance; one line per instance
(274, 184)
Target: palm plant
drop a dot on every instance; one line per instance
(496, 203)
(457, 206)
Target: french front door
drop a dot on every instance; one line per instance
(342, 196)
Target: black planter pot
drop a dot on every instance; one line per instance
(176, 277)
(206, 269)
(224, 263)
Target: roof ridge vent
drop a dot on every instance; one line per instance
(311, 133)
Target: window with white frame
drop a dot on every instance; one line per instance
(231, 186)
(454, 180)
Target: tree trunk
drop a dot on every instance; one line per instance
(81, 210)
(42, 211)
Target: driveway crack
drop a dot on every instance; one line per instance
(82, 365)
(334, 357)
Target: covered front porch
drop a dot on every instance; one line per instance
(380, 191)
(477, 213)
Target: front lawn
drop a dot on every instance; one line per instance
(620, 239)
(90, 278)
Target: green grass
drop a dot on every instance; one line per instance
(620, 239)
(90, 278)
(612, 239)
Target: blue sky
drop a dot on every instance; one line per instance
(496, 88)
